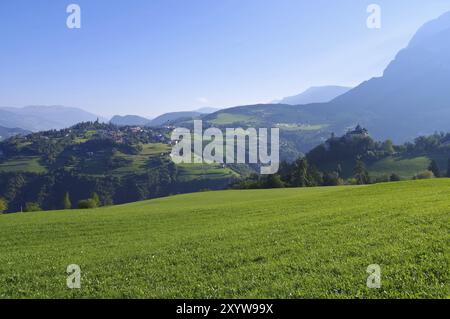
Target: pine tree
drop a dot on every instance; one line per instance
(434, 168)
(361, 174)
(339, 170)
(66, 202)
(32, 207)
(301, 176)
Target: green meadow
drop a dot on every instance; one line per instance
(139, 162)
(405, 167)
(228, 118)
(278, 243)
(23, 164)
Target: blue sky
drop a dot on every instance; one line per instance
(149, 57)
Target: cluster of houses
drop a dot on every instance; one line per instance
(120, 135)
(115, 135)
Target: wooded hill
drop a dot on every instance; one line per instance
(119, 164)
(356, 158)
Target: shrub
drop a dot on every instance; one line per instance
(424, 175)
(351, 181)
(108, 201)
(3, 205)
(96, 199)
(32, 207)
(382, 179)
(332, 179)
(395, 178)
(273, 181)
(87, 203)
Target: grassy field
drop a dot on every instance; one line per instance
(138, 165)
(406, 168)
(139, 161)
(188, 172)
(225, 118)
(23, 164)
(300, 127)
(282, 243)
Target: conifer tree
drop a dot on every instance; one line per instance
(361, 174)
(66, 202)
(434, 168)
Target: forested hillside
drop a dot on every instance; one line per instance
(117, 164)
(356, 158)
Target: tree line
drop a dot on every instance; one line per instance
(322, 166)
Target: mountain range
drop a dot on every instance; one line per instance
(131, 120)
(315, 94)
(411, 98)
(166, 118)
(6, 132)
(41, 118)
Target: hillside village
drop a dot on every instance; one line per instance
(119, 163)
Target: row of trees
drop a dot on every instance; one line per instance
(92, 202)
(302, 174)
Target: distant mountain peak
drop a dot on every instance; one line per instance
(169, 118)
(433, 27)
(207, 110)
(412, 97)
(315, 94)
(41, 118)
(129, 120)
(6, 132)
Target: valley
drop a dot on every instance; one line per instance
(176, 178)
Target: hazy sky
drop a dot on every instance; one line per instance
(149, 57)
